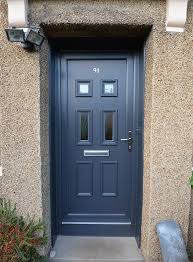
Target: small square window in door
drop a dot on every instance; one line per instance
(83, 88)
(109, 88)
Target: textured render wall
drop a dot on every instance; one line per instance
(169, 139)
(1, 102)
(190, 232)
(24, 126)
(168, 109)
(20, 124)
(44, 135)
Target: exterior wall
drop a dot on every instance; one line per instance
(168, 109)
(190, 232)
(20, 96)
(168, 135)
(23, 147)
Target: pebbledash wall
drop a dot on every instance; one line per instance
(168, 131)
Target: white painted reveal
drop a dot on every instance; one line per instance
(17, 13)
(1, 171)
(176, 15)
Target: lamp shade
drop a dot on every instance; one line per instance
(15, 35)
(34, 37)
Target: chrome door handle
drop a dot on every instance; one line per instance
(124, 139)
(129, 140)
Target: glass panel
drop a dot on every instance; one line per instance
(84, 88)
(108, 88)
(84, 126)
(109, 126)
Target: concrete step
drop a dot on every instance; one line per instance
(93, 249)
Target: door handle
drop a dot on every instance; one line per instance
(124, 139)
(129, 140)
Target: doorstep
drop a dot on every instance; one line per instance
(91, 249)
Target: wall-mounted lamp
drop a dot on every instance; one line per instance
(19, 29)
(29, 37)
(34, 37)
(15, 35)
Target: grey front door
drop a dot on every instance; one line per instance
(96, 96)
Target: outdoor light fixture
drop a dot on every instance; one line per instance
(15, 35)
(33, 37)
(29, 37)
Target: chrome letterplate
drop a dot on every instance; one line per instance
(96, 152)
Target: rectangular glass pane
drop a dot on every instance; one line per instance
(108, 88)
(84, 126)
(84, 88)
(109, 126)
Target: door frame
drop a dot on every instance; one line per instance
(138, 126)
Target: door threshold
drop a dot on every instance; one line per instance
(79, 249)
